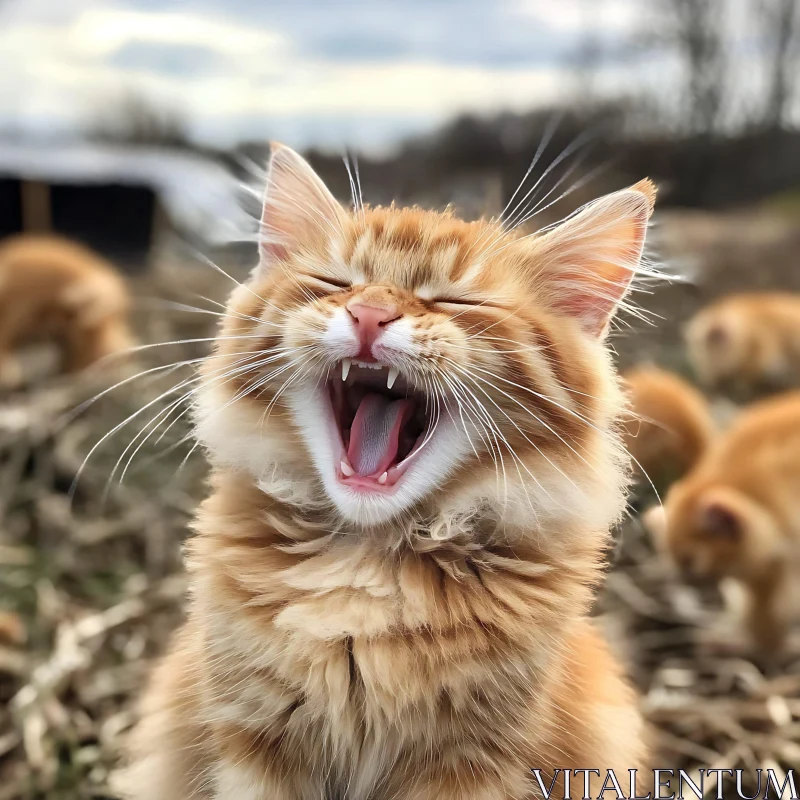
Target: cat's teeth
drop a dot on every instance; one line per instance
(346, 362)
(347, 469)
(383, 478)
(393, 373)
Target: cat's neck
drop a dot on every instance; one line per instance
(309, 574)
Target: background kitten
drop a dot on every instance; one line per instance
(669, 427)
(737, 514)
(56, 291)
(747, 342)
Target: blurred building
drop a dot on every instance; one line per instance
(119, 200)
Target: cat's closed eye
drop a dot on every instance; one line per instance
(454, 301)
(465, 303)
(460, 301)
(328, 282)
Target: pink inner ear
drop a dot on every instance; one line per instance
(595, 296)
(298, 208)
(590, 259)
(272, 251)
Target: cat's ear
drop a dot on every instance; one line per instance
(587, 262)
(298, 208)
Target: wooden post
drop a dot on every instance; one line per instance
(492, 194)
(158, 227)
(37, 214)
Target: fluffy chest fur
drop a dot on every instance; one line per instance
(351, 654)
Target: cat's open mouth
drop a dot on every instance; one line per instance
(382, 422)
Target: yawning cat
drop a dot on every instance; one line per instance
(412, 424)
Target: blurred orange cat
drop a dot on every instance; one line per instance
(56, 291)
(737, 514)
(747, 342)
(411, 423)
(669, 426)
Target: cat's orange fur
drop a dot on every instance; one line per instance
(57, 291)
(747, 342)
(427, 639)
(669, 426)
(737, 515)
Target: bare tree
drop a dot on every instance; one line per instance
(692, 36)
(137, 120)
(693, 28)
(780, 23)
(588, 56)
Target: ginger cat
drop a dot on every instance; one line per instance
(737, 515)
(747, 342)
(669, 425)
(53, 290)
(411, 422)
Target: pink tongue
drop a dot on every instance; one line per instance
(375, 433)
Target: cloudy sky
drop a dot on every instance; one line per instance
(323, 72)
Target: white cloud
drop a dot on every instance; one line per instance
(102, 31)
(63, 67)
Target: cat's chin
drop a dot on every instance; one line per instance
(378, 449)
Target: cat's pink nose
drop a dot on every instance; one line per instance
(369, 321)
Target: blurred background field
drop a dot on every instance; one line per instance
(141, 129)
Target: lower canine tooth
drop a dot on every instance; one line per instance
(346, 469)
(346, 362)
(393, 373)
(383, 478)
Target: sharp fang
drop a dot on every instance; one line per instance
(346, 362)
(346, 469)
(393, 373)
(383, 478)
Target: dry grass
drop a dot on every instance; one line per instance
(91, 589)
